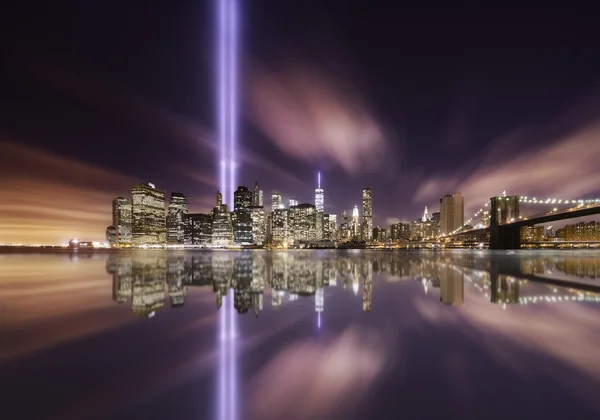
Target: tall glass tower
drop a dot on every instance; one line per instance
(367, 205)
(319, 199)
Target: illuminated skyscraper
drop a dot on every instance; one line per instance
(259, 226)
(148, 215)
(333, 227)
(242, 216)
(177, 209)
(355, 229)
(302, 223)
(367, 204)
(279, 226)
(319, 197)
(122, 219)
(452, 210)
(425, 215)
(293, 202)
(222, 228)
(276, 202)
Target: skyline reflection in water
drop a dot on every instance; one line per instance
(302, 334)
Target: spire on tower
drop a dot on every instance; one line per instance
(319, 180)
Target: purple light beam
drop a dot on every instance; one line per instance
(227, 99)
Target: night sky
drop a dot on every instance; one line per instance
(414, 102)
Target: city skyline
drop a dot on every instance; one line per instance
(417, 134)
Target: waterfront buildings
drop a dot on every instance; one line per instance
(176, 211)
(276, 201)
(222, 227)
(197, 229)
(242, 216)
(367, 207)
(280, 229)
(532, 233)
(452, 211)
(121, 222)
(302, 223)
(259, 226)
(355, 225)
(148, 215)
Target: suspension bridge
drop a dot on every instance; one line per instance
(503, 219)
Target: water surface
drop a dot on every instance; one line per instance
(300, 335)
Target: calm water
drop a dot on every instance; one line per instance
(300, 335)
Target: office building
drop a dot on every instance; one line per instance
(197, 229)
(319, 196)
(302, 223)
(435, 216)
(355, 225)
(222, 227)
(582, 232)
(242, 216)
(367, 205)
(452, 212)
(532, 234)
(276, 201)
(148, 215)
(259, 226)
(279, 227)
(400, 232)
(111, 236)
(333, 228)
(292, 202)
(379, 234)
(175, 212)
(319, 228)
(256, 196)
(122, 221)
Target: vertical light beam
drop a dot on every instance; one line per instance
(227, 102)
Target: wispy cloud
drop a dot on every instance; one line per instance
(311, 117)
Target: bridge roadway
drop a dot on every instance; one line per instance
(508, 235)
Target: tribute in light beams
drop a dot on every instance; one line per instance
(227, 75)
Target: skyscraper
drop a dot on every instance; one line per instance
(333, 228)
(148, 215)
(355, 229)
(259, 225)
(319, 197)
(452, 210)
(242, 216)
(279, 226)
(256, 195)
(121, 219)
(177, 209)
(367, 204)
(292, 202)
(222, 228)
(302, 223)
(275, 201)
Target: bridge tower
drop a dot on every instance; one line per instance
(503, 210)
